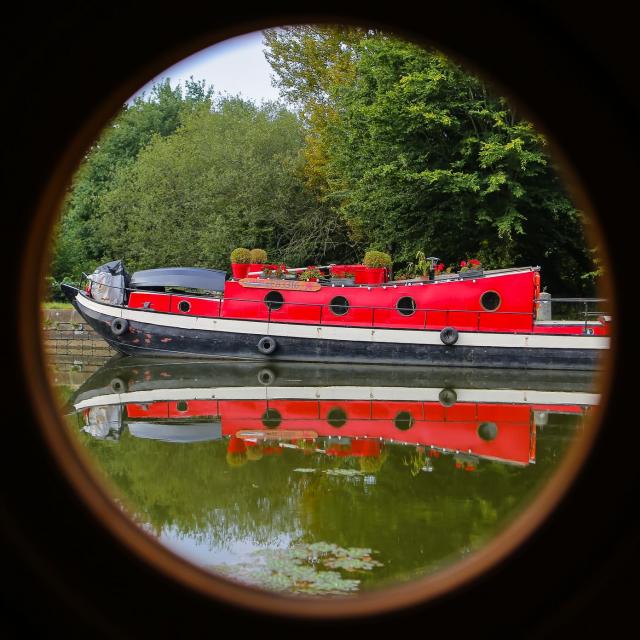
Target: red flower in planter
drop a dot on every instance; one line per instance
(440, 267)
(463, 263)
(474, 263)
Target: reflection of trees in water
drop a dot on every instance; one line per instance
(415, 522)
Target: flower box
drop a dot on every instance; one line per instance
(371, 275)
(256, 267)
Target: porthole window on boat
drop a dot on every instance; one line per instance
(271, 418)
(488, 431)
(184, 306)
(406, 306)
(403, 421)
(490, 300)
(182, 406)
(339, 306)
(274, 300)
(337, 417)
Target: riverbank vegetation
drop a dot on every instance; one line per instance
(377, 144)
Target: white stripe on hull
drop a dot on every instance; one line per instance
(497, 396)
(355, 334)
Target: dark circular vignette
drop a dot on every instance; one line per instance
(62, 569)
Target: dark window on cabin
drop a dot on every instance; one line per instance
(488, 431)
(184, 306)
(271, 418)
(339, 306)
(274, 300)
(403, 421)
(337, 417)
(490, 300)
(406, 306)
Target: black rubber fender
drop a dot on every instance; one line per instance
(267, 345)
(119, 326)
(118, 385)
(266, 377)
(449, 336)
(447, 397)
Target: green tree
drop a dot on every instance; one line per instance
(227, 177)
(416, 154)
(308, 62)
(77, 246)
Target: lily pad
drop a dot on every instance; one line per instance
(304, 569)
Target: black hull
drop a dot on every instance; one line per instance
(145, 339)
(147, 374)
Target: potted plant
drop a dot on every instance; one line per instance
(470, 268)
(281, 271)
(440, 271)
(311, 274)
(423, 266)
(258, 257)
(377, 265)
(240, 259)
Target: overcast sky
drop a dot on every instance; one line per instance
(235, 66)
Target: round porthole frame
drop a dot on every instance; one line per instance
(336, 302)
(487, 292)
(337, 417)
(537, 510)
(273, 300)
(406, 312)
(271, 418)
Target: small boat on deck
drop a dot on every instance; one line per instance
(484, 318)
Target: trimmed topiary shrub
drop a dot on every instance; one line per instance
(377, 259)
(258, 256)
(241, 256)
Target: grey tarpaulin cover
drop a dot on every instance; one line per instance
(109, 282)
(180, 277)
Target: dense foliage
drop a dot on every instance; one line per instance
(391, 147)
(417, 155)
(78, 246)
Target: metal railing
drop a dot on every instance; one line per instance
(583, 315)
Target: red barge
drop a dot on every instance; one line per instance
(473, 319)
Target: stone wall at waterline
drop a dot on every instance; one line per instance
(72, 347)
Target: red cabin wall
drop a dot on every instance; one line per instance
(153, 301)
(170, 303)
(438, 304)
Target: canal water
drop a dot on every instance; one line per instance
(322, 480)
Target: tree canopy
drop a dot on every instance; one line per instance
(416, 154)
(227, 178)
(378, 144)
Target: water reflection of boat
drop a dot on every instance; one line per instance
(490, 414)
